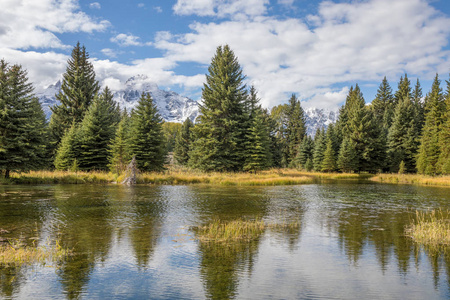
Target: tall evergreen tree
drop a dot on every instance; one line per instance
(320, 145)
(418, 106)
(295, 128)
(119, 148)
(68, 151)
(429, 150)
(219, 134)
(146, 136)
(305, 152)
(403, 91)
(347, 158)
(258, 155)
(383, 103)
(183, 143)
(113, 107)
(22, 123)
(444, 138)
(96, 131)
(402, 137)
(329, 160)
(78, 89)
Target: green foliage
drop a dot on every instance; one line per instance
(444, 138)
(96, 132)
(170, 131)
(183, 143)
(347, 158)
(429, 150)
(119, 147)
(305, 152)
(69, 149)
(219, 134)
(295, 128)
(402, 168)
(383, 104)
(329, 161)
(146, 137)
(23, 129)
(78, 89)
(258, 155)
(320, 145)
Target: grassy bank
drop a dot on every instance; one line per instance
(412, 179)
(14, 253)
(431, 229)
(176, 176)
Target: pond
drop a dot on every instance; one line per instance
(139, 243)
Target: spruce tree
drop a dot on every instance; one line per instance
(329, 161)
(418, 107)
(444, 138)
(403, 91)
(319, 148)
(382, 105)
(220, 131)
(295, 128)
(347, 158)
(119, 147)
(183, 143)
(22, 122)
(146, 136)
(429, 149)
(258, 155)
(96, 132)
(305, 152)
(68, 150)
(78, 89)
(402, 138)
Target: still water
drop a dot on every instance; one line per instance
(138, 242)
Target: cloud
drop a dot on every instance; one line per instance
(110, 52)
(34, 24)
(95, 5)
(141, 5)
(158, 9)
(125, 40)
(220, 8)
(361, 41)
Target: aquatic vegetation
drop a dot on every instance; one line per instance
(238, 230)
(431, 228)
(15, 253)
(412, 179)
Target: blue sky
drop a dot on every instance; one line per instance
(316, 49)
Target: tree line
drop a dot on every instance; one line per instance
(398, 132)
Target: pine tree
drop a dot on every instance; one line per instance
(329, 161)
(78, 89)
(96, 131)
(295, 128)
(258, 155)
(183, 143)
(305, 152)
(347, 158)
(429, 150)
(113, 107)
(403, 91)
(220, 131)
(319, 149)
(146, 136)
(69, 149)
(418, 106)
(382, 105)
(22, 122)
(402, 138)
(444, 138)
(119, 147)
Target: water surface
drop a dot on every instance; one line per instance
(138, 243)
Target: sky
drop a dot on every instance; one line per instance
(315, 49)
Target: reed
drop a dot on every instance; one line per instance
(430, 228)
(15, 253)
(412, 179)
(238, 230)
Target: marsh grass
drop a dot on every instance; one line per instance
(431, 229)
(15, 253)
(176, 175)
(238, 230)
(412, 179)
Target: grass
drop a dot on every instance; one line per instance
(431, 229)
(413, 179)
(237, 230)
(178, 175)
(15, 253)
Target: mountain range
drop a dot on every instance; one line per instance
(172, 106)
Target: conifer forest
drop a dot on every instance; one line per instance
(401, 131)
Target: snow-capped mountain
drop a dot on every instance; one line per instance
(318, 118)
(171, 106)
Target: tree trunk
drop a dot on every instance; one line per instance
(7, 173)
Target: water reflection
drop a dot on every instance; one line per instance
(135, 242)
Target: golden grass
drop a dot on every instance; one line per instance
(431, 228)
(14, 253)
(178, 175)
(412, 179)
(237, 230)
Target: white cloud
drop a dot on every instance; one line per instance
(29, 23)
(110, 52)
(95, 5)
(158, 9)
(124, 40)
(141, 5)
(221, 8)
(361, 41)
